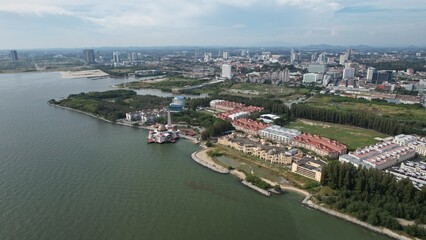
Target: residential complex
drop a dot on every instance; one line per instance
(279, 134)
(320, 145)
(379, 156)
(418, 144)
(260, 149)
(248, 126)
(308, 167)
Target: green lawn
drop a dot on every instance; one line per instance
(398, 111)
(353, 137)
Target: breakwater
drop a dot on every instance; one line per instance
(256, 188)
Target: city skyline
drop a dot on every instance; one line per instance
(81, 24)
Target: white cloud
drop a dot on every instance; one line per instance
(143, 13)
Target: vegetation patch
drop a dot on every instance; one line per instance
(353, 137)
(373, 196)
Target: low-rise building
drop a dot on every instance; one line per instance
(268, 118)
(279, 134)
(308, 167)
(262, 150)
(417, 143)
(320, 145)
(149, 115)
(379, 156)
(415, 171)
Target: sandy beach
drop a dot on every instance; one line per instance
(84, 74)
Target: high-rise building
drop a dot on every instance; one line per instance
(314, 57)
(348, 54)
(348, 73)
(370, 72)
(310, 77)
(294, 56)
(134, 57)
(14, 55)
(342, 59)
(89, 56)
(225, 55)
(352, 65)
(207, 57)
(382, 76)
(317, 68)
(322, 58)
(285, 75)
(227, 71)
(116, 57)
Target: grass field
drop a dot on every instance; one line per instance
(266, 90)
(399, 111)
(166, 85)
(353, 137)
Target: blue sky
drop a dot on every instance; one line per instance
(97, 23)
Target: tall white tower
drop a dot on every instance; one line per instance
(370, 72)
(116, 57)
(227, 71)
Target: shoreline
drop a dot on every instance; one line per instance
(307, 202)
(193, 140)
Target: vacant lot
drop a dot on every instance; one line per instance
(398, 111)
(353, 137)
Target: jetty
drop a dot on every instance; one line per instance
(256, 188)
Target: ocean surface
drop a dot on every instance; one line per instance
(64, 175)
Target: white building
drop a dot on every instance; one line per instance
(225, 55)
(214, 102)
(419, 144)
(342, 59)
(279, 134)
(379, 156)
(268, 118)
(238, 115)
(207, 57)
(310, 77)
(348, 73)
(227, 71)
(116, 57)
(370, 72)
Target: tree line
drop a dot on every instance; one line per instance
(382, 124)
(374, 196)
(387, 125)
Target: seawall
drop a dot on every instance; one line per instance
(202, 158)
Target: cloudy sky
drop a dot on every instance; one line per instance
(96, 23)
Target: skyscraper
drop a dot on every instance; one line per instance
(13, 55)
(322, 58)
(370, 72)
(285, 75)
(348, 54)
(116, 57)
(89, 56)
(226, 71)
(225, 55)
(294, 56)
(342, 59)
(348, 73)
